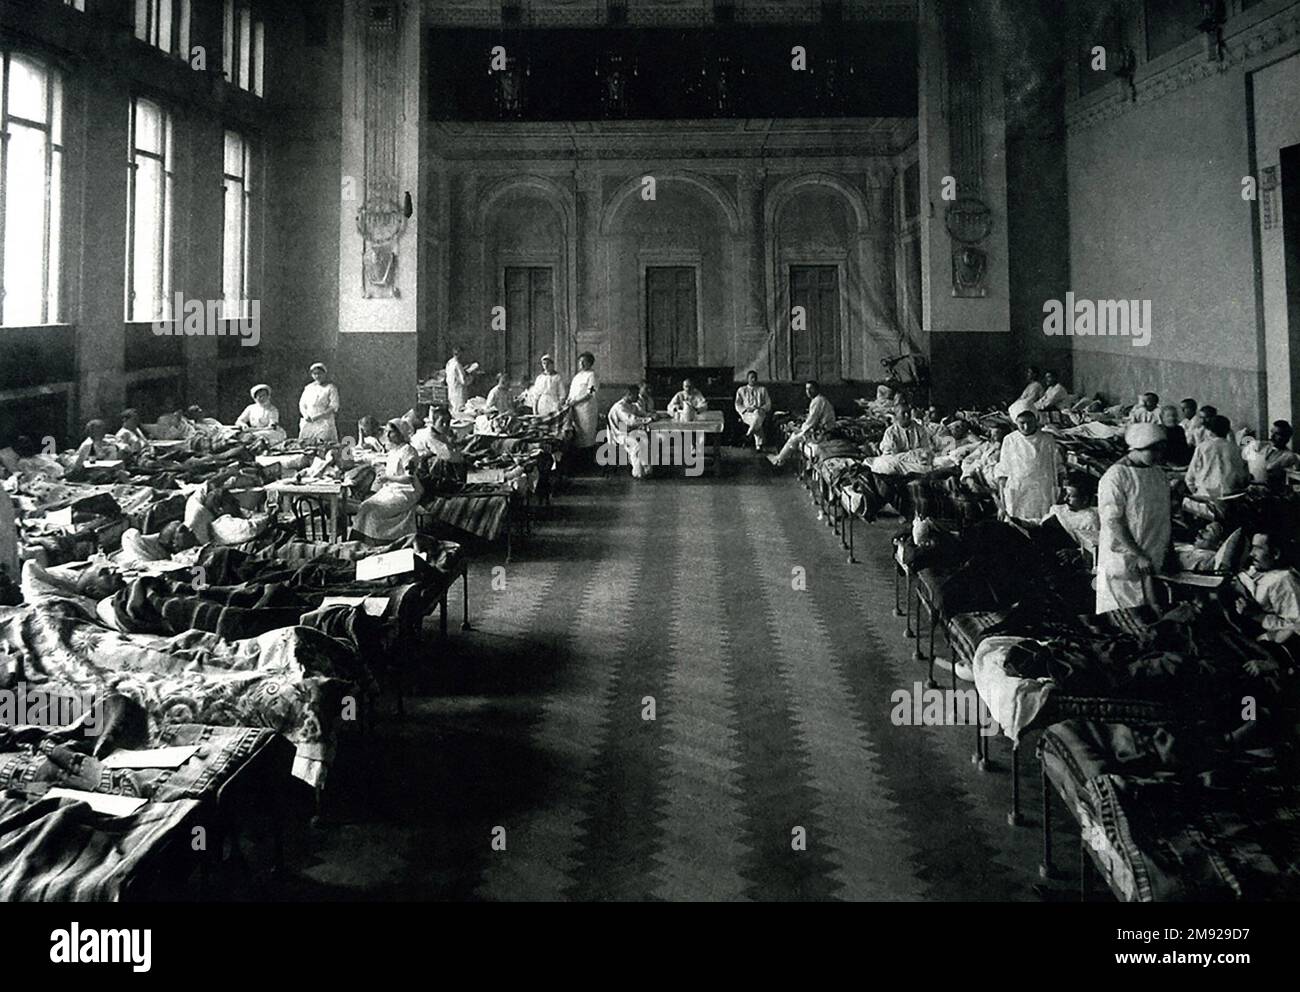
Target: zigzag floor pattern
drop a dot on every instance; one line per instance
(771, 664)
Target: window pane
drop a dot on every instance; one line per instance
(164, 32)
(165, 256)
(27, 96)
(183, 48)
(53, 310)
(56, 128)
(142, 19)
(234, 163)
(147, 228)
(257, 57)
(148, 127)
(24, 225)
(228, 42)
(245, 31)
(232, 250)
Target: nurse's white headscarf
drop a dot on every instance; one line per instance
(402, 428)
(1021, 406)
(1143, 435)
(258, 388)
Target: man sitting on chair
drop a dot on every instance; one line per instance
(626, 426)
(754, 405)
(687, 404)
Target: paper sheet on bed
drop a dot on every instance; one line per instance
(373, 605)
(388, 563)
(155, 757)
(100, 802)
(60, 518)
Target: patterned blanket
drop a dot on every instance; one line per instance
(480, 509)
(292, 680)
(1173, 820)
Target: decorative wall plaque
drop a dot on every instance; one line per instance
(382, 216)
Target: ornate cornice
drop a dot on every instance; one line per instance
(1242, 47)
(583, 13)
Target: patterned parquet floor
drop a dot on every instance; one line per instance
(771, 769)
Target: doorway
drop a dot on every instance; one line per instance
(672, 318)
(815, 343)
(530, 318)
(1290, 161)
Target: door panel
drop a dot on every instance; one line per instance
(815, 350)
(530, 318)
(671, 324)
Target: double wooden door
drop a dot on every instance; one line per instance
(672, 322)
(530, 318)
(815, 339)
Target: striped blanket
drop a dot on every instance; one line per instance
(59, 850)
(480, 509)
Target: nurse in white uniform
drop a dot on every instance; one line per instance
(318, 406)
(1133, 504)
(582, 400)
(547, 393)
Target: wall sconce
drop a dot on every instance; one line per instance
(1127, 69)
(1214, 15)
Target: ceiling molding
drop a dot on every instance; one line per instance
(663, 140)
(1242, 48)
(669, 13)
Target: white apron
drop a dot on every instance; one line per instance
(1140, 498)
(547, 393)
(1030, 464)
(584, 414)
(455, 385)
(390, 513)
(317, 400)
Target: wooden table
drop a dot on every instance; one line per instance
(710, 423)
(330, 493)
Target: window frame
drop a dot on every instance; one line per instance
(52, 217)
(166, 210)
(243, 46)
(181, 18)
(243, 299)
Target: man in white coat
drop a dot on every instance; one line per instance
(754, 406)
(1030, 468)
(457, 380)
(1133, 506)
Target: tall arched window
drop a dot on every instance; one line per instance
(149, 214)
(31, 164)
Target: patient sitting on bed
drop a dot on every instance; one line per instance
(1077, 516)
(953, 444)
(1268, 592)
(977, 467)
(906, 447)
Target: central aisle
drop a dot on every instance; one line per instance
(770, 664)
